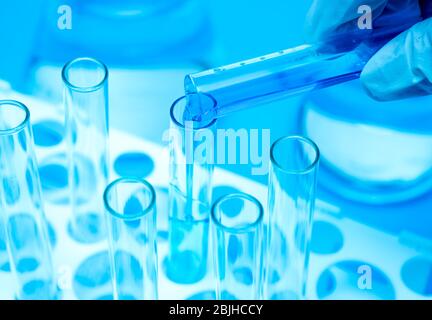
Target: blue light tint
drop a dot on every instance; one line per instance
(92, 278)
(4, 259)
(223, 190)
(133, 164)
(162, 203)
(326, 238)
(27, 265)
(134, 272)
(38, 287)
(162, 235)
(54, 176)
(416, 273)
(225, 295)
(204, 295)
(54, 180)
(26, 239)
(232, 208)
(284, 295)
(344, 280)
(91, 224)
(11, 189)
(48, 133)
(186, 262)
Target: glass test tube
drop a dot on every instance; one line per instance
(86, 104)
(297, 70)
(238, 247)
(191, 170)
(291, 198)
(130, 204)
(21, 210)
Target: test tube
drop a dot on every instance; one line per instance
(297, 70)
(86, 104)
(130, 204)
(291, 198)
(191, 169)
(21, 210)
(238, 247)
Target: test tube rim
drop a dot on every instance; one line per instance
(250, 226)
(136, 216)
(177, 123)
(92, 88)
(22, 124)
(306, 170)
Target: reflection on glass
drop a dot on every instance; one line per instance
(292, 185)
(238, 246)
(22, 216)
(86, 104)
(131, 207)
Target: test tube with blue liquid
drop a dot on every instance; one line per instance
(22, 219)
(295, 70)
(190, 191)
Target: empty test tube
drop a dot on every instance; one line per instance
(21, 211)
(86, 104)
(189, 192)
(237, 224)
(291, 199)
(130, 205)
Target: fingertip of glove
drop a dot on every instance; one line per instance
(372, 86)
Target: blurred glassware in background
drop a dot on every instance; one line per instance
(373, 152)
(190, 192)
(165, 34)
(129, 32)
(131, 213)
(291, 202)
(22, 214)
(148, 45)
(86, 106)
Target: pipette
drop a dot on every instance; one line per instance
(293, 71)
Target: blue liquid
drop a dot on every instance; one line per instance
(188, 251)
(293, 71)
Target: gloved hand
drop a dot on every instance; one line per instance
(403, 67)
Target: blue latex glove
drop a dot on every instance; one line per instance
(403, 67)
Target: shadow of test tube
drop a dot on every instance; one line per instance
(21, 210)
(131, 207)
(191, 170)
(291, 199)
(237, 237)
(86, 104)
